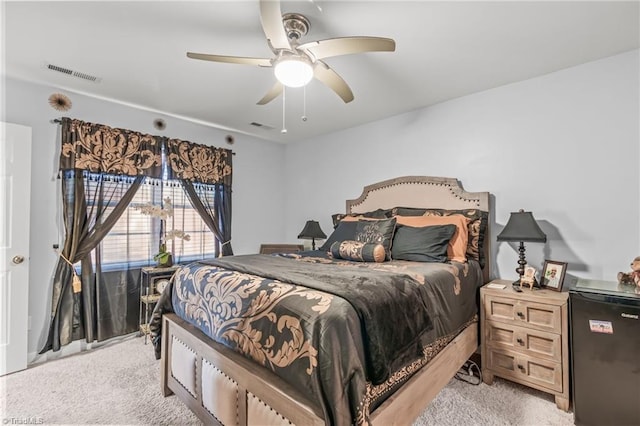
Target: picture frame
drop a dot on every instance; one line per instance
(552, 277)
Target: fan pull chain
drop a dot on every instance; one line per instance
(304, 103)
(284, 93)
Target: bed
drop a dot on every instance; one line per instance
(319, 338)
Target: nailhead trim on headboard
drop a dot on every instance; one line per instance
(417, 180)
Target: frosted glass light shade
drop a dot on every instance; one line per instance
(293, 72)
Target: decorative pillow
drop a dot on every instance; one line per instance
(376, 214)
(356, 218)
(408, 211)
(477, 228)
(424, 244)
(344, 231)
(378, 231)
(457, 246)
(358, 251)
(479, 221)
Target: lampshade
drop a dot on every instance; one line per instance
(293, 71)
(311, 231)
(522, 227)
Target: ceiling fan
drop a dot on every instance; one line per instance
(296, 64)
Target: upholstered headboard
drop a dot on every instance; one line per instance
(425, 192)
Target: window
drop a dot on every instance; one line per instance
(201, 241)
(135, 238)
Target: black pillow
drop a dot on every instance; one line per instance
(408, 211)
(424, 244)
(344, 231)
(478, 223)
(377, 231)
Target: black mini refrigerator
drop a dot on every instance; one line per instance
(605, 353)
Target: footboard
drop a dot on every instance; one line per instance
(222, 387)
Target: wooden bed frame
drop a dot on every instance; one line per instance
(222, 387)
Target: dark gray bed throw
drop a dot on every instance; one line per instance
(391, 305)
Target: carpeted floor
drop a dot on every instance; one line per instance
(119, 384)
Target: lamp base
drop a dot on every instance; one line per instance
(518, 285)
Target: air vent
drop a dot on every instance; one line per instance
(264, 126)
(73, 73)
(59, 69)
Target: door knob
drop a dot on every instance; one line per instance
(17, 260)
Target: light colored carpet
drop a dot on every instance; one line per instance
(119, 384)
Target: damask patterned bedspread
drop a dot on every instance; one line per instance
(334, 329)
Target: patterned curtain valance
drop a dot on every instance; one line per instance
(102, 149)
(199, 163)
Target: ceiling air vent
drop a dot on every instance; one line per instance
(263, 126)
(73, 73)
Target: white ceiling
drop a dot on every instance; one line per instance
(445, 49)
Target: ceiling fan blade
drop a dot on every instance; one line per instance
(262, 62)
(347, 45)
(331, 79)
(271, 18)
(273, 93)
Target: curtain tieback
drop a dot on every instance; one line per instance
(222, 245)
(76, 283)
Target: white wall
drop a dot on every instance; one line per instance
(258, 194)
(564, 146)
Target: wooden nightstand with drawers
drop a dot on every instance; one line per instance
(525, 338)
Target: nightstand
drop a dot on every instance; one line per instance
(525, 338)
(150, 277)
(280, 248)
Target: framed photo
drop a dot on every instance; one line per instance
(553, 275)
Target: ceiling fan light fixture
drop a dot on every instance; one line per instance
(293, 71)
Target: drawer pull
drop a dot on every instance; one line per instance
(521, 367)
(520, 315)
(520, 341)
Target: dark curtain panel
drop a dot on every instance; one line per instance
(90, 211)
(101, 170)
(117, 302)
(223, 201)
(98, 152)
(206, 173)
(209, 203)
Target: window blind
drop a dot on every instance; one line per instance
(135, 238)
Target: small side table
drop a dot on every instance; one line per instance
(149, 294)
(525, 338)
(280, 248)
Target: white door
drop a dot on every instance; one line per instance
(15, 190)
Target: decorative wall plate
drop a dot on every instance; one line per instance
(159, 124)
(60, 102)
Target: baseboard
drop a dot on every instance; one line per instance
(73, 348)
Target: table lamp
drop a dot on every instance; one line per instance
(522, 227)
(312, 231)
